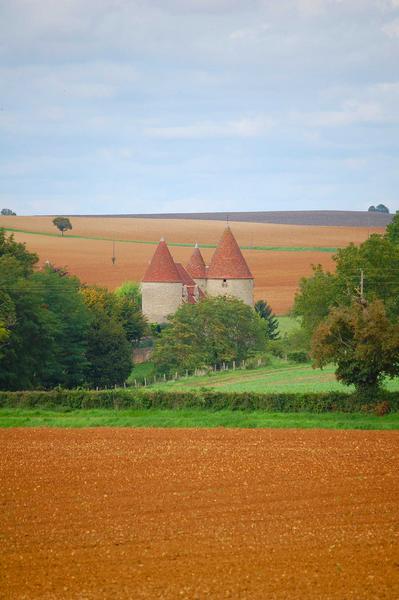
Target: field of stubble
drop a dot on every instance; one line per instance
(276, 273)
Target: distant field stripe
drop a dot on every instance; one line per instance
(180, 244)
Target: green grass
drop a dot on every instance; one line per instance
(279, 376)
(141, 370)
(181, 244)
(287, 325)
(192, 418)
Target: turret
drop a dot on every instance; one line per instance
(162, 288)
(228, 273)
(197, 269)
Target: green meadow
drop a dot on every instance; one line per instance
(278, 376)
(193, 418)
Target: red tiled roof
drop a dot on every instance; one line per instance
(228, 261)
(184, 276)
(162, 267)
(196, 266)
(188, 282)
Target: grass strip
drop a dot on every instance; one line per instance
(192, 418)
(178, 244)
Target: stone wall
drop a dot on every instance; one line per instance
(160, 300)
(243, 289)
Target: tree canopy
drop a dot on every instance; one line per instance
(362, 341)
(62, 223)
(211, 332)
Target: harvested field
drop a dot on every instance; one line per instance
(276, 272)
(279, 514)
(345, 218)
(203, 232)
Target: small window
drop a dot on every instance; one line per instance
(224, 283)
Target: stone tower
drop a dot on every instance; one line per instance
(228, 274)
(197, 269)
(162, 287)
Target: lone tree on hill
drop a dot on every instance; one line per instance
(62, 223)
(363, 343)
(265, 312)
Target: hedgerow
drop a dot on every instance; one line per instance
(204, 399)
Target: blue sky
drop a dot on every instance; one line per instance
(195, 105)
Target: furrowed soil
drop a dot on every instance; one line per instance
(276, 273)
(154, 513)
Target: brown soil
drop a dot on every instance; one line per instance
(276, 514)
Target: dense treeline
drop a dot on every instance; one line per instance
(56, 332)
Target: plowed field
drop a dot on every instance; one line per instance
(276, 273)
(267, 514)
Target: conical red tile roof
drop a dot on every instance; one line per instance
(185, 277)
(196, 266)
(228, 261)
(162, 268)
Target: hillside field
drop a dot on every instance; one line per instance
(276, 271)
(277, 377)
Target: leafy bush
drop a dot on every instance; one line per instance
(300, 356)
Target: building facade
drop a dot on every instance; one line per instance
(166, 284)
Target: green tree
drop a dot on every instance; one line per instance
(377, 258)
(70, 326)
(62, 223)
(265, 312)
(14, 257)
(211, 332)
(316, 295)
(7, 212)
(131, 290)
(362, 341)
(109, 352)
(392, 230)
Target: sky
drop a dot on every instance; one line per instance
(152, 106)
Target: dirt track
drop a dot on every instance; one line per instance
(266, 514)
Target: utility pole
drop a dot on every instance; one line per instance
(113, 252)
(361, 284)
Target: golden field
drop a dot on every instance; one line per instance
(276, 273)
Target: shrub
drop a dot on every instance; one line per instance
(382, 408)
(204, 398)
(300, 356)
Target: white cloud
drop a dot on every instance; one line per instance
(244, 127)
(392, 29)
